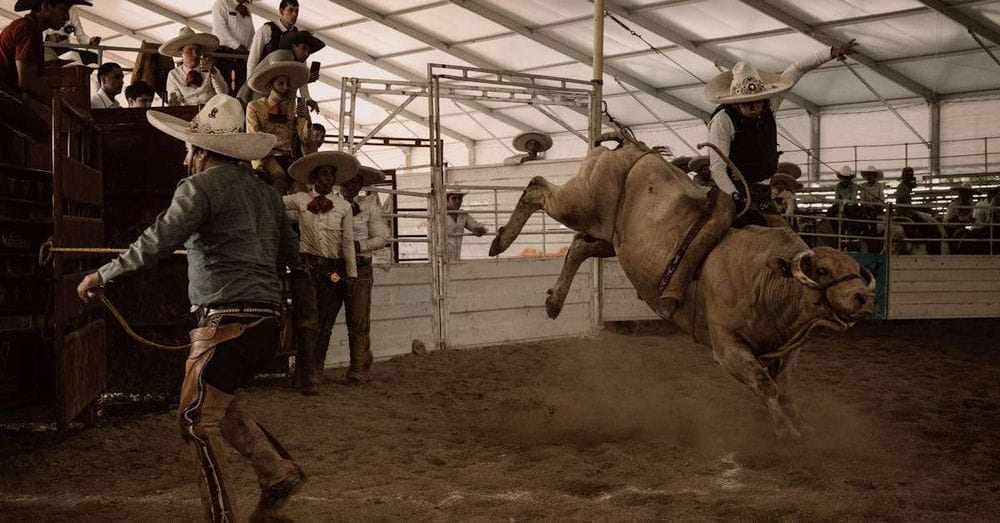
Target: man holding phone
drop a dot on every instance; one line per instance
(195, 80)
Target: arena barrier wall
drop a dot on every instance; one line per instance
(620, 302)
(925, 287)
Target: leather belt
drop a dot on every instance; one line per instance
(258, 309)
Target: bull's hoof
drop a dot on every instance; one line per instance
(553, 305)
(498, 244)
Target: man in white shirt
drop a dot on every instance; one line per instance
(110, 77)
(233, 24)
(370, 235)
(196, 79)
(267, 39)
(326, 252)
(456, 225)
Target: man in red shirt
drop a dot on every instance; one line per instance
(21, 52)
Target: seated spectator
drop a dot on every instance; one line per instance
(22, 56)
(110, 78)
(960, 209)
(232, 23)
(317, 135)
(74, 28)
(267, 39)
(904, 191)
(280, 115)
(139, 95)
(295, 46)
(196, 79)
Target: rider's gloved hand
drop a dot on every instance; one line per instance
(739, 200)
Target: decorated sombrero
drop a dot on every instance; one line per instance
(218, 127)
(744, 83)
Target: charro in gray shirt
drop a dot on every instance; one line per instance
(236, 233)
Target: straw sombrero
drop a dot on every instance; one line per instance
(370, 175)
(788, 179)
(790, 169)
(846, 173)
(187, 36)
(346, 166)
(697, 163)
(521, 141)
(744, 83)
(871, 169)
(218, 127)
(260, 79)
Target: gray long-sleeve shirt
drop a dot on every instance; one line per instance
(236, 233)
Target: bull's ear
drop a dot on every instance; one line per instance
(781, 265)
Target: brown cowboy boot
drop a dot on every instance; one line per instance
(701, 238)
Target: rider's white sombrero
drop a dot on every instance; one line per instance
(521, 141)
(187, 36)
(744, 83)
(260, 79)
(345, 165)
(218, 127)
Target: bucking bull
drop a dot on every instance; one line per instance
(760, 294)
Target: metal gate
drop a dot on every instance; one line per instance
(77, 216)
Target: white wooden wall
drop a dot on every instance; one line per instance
(621, 302)
(491, 302)
(402, 310)
(944, 287)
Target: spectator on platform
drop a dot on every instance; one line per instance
(904, 191)
(139, 94)
(960, 209)
(232, 23)
(196, 79)
(846, 190)
(267, 39)
(22, 56)
(74, 28)
(532, 143)
(872, 191)
(280, 115)
(783, 189)
(295, 46)
(110, 79)
(317, 135)
(327, 253)
(456, 225)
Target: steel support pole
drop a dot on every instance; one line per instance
(934, 108)
(597, 276)
(814, 145)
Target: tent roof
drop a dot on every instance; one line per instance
(910, 48)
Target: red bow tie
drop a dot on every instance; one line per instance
(320, 205)
(194, 78)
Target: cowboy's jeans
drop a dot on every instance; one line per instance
(223, 356)
(331, 297)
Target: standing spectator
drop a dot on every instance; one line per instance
(872, 191)
(110, 78)
(960, 209)
(327, 252)
(196, 79)
(75, 28)
(21, 52)
(904, 191)
(370, 235)
(268, 38)
(232, 23)
(317, 135)
(845, 190)
(456, 225)
(139, 94)
(278, 114)
(532, 143)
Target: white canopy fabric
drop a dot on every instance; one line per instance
(911, 48)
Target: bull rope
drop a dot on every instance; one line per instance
(45, 254)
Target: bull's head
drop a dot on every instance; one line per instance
(845, 288)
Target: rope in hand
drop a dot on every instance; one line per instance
(736, 174)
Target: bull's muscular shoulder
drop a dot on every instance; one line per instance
(772, 241)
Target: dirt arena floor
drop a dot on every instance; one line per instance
(613, 427)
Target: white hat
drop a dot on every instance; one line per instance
(345, 166)
(187, 36)
(521, 141)
(846, 172)
(370, 175)
(744, 83)
(260, 79)
(218, 127)
(871, 169)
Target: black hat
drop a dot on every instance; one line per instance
(300, 37)
(27, 5)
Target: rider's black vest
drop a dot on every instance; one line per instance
(273, 44)
(754, 148)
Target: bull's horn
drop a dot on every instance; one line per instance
(869, 278)
(797, 270)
